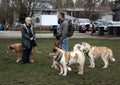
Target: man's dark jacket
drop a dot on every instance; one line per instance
(25, 36)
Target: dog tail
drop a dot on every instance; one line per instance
(77, 47)
(111, 56)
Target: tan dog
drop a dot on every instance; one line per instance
(67, 58)
(95, 51)
(17, 47)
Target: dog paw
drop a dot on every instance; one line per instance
(17, 60)
(104, 67)
(69, 69)
(80, 73)
(90, 66)
(52, 66)
(56, 67)
(64, 74)
(60, 74)
(32, 61)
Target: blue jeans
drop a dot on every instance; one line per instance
(64, 44)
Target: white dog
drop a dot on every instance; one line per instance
(55, 64)
(77, 47)
(95, 51)
(67, 58)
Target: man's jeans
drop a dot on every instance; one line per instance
(64, 44)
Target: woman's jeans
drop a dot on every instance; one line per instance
(64, 44)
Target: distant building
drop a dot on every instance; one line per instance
(106, 14)
(47, 7)
(117, 10)
(106, 17)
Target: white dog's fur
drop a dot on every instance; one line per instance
(77, 47)
(55, 64)
(68, 58)
(95, 51)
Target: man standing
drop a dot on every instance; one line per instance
(63, 30)
(28, 40)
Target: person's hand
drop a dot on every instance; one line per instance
(31, 38)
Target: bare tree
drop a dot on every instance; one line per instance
(30, 4)
(6, 15)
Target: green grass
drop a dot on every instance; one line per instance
(41, 73)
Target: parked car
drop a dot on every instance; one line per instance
(114, 27)
(82, 25)
(113, 23)
(101, 24)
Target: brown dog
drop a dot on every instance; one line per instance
(17, 47)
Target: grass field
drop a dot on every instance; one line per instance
(41, 73)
